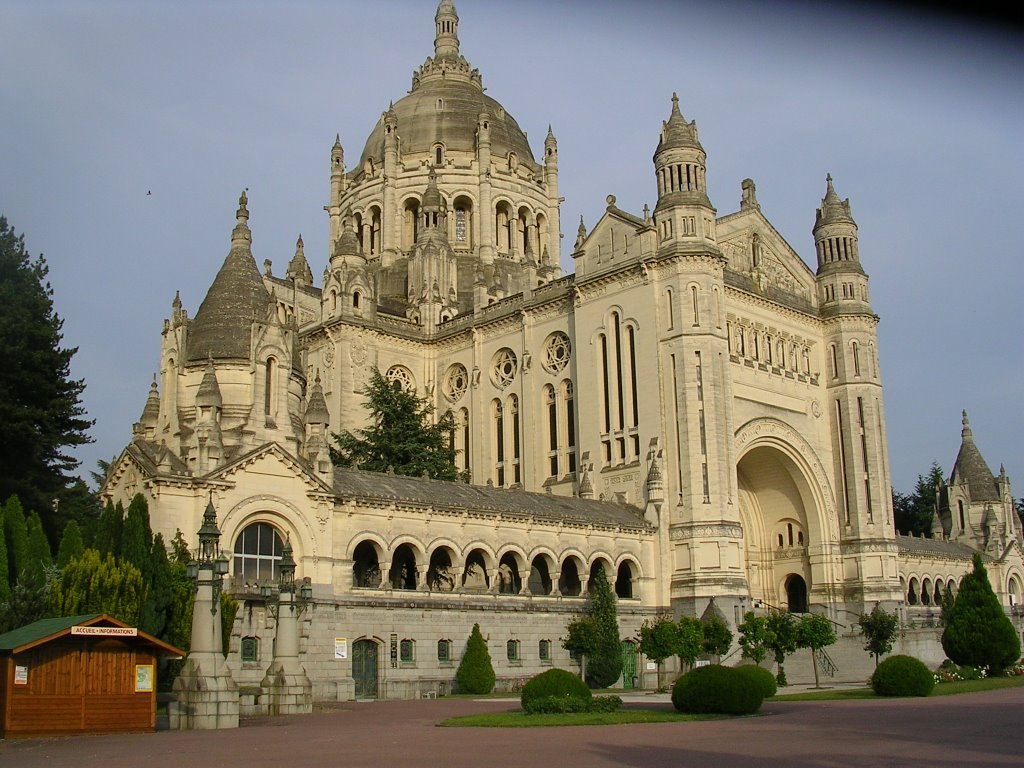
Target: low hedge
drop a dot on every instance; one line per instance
(556, 690)
(759, 676)
(717, 690)
(902, 676)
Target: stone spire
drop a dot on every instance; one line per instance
(298, 268)
(446, 37)
(676, 132)
(150, 420)
(971, 468)
(833, 210)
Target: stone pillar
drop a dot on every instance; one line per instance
(286, 686)
(207, 694)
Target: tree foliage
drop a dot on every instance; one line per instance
(691, 640)
(94, 584)
(402, 435)
(71, 544)
(754, 637)
(604, 665)
(476, 673)
(5, 585)
(913, 513)
(107, 539)
(136, 536)
(41, 415)
(659, 640)
(880, 629)
(782, 640)
(40, 558)
(717, 636)
(16, 535)
(814, 632)
(978, 633)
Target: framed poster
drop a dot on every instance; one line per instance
(143, 678)
(20, 675)
(341, 648)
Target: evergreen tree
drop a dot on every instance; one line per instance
(914, 513)
(178, 627)
(91, 584)
(27, 603)
(179, 548)
(75, 502)
(16, 534)
(605, 663)
(814, 632)
(107, 540)
(581, 639)
(158, 594)
(475, 673)
(401, 437)
(978, 633)
(40, 558)
(41, 415)
(880, 630)
(136, 536)
(71, 544)
(5, 570)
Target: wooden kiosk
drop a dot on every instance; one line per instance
(78, 674)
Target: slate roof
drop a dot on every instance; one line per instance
(940, 547)
(151, 455)
(355, 483)
(971, 467)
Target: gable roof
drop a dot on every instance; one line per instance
(354, 483)
(46, 630)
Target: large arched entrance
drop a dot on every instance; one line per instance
(781, 523)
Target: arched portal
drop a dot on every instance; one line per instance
(783, 522)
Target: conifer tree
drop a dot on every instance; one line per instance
(158, 595)
(5, 570)
(401, 437)
(605, 663)
(40, 558)
(136, 536)
(41, 414)
(71, 545)
(978, 633)
(475, 673)
(107, 540)
(16, 534)
(91, 584)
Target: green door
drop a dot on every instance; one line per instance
(629, 679)
(364, 668)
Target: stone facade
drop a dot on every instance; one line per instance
(695, 412)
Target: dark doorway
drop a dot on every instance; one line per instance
(796, 593)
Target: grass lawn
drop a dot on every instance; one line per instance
(942, 689)
(520, 719)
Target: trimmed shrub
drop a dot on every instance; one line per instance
(553, 690)
(902, 676)
(605, 704)
(759, 677)
(716, 690)
(978, 632)
(476, 673)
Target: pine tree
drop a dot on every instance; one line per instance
(605, 663)
(978, 633)
(40, 558)
(41, 415)
(16, 534)
(71, 544)
(107, 540)
(476, 673)
(914, 513)
(401, 437)
(158, 593)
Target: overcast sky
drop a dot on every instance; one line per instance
(918, 118)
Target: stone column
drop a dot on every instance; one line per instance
(286, 686)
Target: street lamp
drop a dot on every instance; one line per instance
(286, 585)
(209, 557)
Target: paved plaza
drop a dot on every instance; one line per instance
(967, 730)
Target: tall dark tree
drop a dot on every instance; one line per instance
(136, 537)
(75, 501)
(16, 534)
(5, 571)
(605, 663)
(402, 435)
(107, 539)
(71, 544)
(41, 414)
(914, 512)
(40, 557)
(156, 609)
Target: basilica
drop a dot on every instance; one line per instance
(695, 413)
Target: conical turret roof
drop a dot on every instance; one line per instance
(676, 132)
(971, 467)
(833, 210)
(222, 327)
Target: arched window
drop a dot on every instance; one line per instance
(365, 566)
(444, 651)
(499, 443)
(512, 650)
(257, 554)
(960, 513)
(269, 393)
(355, 299)
(513, 411)
(855, 347)
(696, 308)
(544, 650)
(671, 311)
(438, 155)
(834, 360)
(551, 406)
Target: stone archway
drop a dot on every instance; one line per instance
(790, 528)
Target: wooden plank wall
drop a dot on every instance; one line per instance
(80, 684)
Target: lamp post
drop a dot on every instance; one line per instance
(207, 695)
(288, 688)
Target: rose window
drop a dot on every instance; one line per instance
(503, 369)
(455, 382)
(556, 352)
(401, 375)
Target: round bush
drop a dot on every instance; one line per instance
(556, 690)
(716, 690)
(759, 677)
(902, 676)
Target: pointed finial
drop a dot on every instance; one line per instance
(675, 103)
(966, 431)
(176, 304)
(298, 244)
(337, 141)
